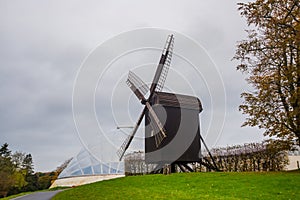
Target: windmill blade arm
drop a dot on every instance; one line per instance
(136, 80)
(129, 139)
(133, 79)
(137, 85)
(156, 76)
(136, 91)
(126, 144)
(163, 66)
(159, 136)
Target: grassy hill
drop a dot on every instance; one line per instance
(271, 185)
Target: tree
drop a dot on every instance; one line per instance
(270, 56)
(17, 159)
(16, 172)
(63, 166)
(4, 151)
(27, 164)
(6, 170)
(30, 177)
(23, 171)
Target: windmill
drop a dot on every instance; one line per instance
(180, 114)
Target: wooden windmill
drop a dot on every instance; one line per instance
(177, 140)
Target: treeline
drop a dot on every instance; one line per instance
(269, 155)
(134, 164)
(17, 173)
(266, 156)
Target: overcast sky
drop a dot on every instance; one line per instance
(43, 44)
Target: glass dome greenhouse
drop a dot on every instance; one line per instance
(84, 163)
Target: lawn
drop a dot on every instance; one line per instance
(215, 185)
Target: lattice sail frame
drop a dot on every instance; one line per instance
(140, 89)
(169, 46)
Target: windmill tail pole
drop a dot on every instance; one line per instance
(213, 160)
(124, 126)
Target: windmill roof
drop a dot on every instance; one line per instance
(177, 100)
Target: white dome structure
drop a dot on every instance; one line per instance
(84, 168)
(84, 163)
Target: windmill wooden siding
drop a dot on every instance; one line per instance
(180, 114)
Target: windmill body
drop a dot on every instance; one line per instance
(180, 116)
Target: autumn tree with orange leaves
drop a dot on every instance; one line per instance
(270, 56)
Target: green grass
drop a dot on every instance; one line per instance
(272, 185)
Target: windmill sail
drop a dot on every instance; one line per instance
(136, 91)
(164, 59)
(137, 81)
(169, 52)
(160, 133)
(129, 139)
(138, 87)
